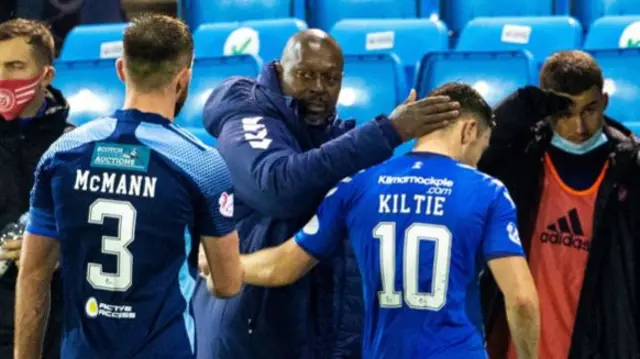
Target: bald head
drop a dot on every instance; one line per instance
(311, 41)
(310, 71)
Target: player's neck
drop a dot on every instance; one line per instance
(156, 103)
(435, 145)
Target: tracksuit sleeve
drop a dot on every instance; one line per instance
(269, 171)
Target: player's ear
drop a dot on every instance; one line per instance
(183, 79)
(469, 131)
(120, 69)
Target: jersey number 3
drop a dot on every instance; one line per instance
(415, 233)
(125, 213)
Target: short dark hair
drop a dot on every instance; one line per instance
(156, 48)
(470, 100)
(571, 72)
(37, 35)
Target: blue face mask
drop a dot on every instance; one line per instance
(597, 140)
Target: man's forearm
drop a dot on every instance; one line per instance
(277, 266)
(524, 324)
(261, 268)
(32, 310)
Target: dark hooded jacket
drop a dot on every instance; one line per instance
(608, 318)
(20, 150)
(281, 169)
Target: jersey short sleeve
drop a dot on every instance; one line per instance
(324, 232)
(42, 219)
(215, 216)
(501, 237)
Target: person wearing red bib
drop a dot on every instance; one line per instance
(573, 173)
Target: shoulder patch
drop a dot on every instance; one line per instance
(256, 133)
(512, 232)
(225, 203)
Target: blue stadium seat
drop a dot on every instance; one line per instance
(539, 35)
(263, 38)
(86, 74)
(588, 11)
(613, 32)
(92, 42)
(207, 74)
(373, 85)
(325, 13)
(458, 12)
(199, 12)
(494, 74)
(408, 39)
(92, 88)
(620, 69)
(209, 39)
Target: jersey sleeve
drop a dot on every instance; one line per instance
(501, 237)
(323, 233)
(42, 219)
(215, 215)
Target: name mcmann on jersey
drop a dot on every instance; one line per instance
(116, 183)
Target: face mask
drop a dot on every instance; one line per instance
(597, 140)
(15, 96)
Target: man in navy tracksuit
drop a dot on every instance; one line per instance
(285, 149)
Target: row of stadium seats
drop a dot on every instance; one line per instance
(456, 13)
(384, 58)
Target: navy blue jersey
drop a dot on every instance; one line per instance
(421, 226)
(128, 198)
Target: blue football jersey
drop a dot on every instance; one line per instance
(128, 197)
(422, 226)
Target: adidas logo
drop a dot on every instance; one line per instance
(567, 231)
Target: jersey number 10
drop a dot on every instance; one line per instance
(125, 213)
(415, 233)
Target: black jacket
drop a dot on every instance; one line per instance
(20, 151)
(608, 319)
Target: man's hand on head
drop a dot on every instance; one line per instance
(416, 118)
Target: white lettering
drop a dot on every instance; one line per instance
(437, 210)
(405, 204)
(94, 183)
(122, 185)
(150, 187)
(82, 177)
(384, 203)
(106, 183)
(136, 184)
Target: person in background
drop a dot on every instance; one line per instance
(32, 116)
(285, 149)
(573, 173)
(422, 225)
(124, 200)
(64, 15)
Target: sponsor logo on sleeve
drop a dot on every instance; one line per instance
(512, 231)
(226, 204)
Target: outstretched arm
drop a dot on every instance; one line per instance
(277, 266)
(286, 263)
(40, 255)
